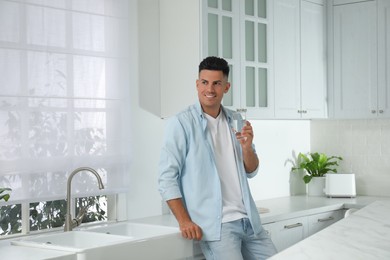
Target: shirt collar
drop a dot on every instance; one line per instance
(226, 112)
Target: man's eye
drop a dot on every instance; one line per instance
(204, 82)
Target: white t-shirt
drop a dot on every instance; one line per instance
(232, 204)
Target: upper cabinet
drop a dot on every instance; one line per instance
(276, 50)
(383, 108)
(360, 87)
(239, 31)
(299, 59)
(169, 53)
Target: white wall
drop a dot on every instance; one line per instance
(277, 144)
(365, 147)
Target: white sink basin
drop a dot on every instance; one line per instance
(116, 241)
(135, 230)
(74, 241)
(149, 241)
(30, 253)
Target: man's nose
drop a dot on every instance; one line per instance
(210, 87)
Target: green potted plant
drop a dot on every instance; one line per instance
(4, 196)
(316, 165)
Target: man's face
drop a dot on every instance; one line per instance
(211, 86)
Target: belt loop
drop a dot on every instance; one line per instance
(244, 224)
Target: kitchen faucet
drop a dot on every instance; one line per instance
(69, 222)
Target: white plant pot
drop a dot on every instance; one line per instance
(316, 186)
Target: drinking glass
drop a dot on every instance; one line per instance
(239, 119)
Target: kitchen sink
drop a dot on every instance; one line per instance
(149, 241)
(117, 241)
(134, 230)
(74, 241)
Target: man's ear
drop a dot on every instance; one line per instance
(227, 87)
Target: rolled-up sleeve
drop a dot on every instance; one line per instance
(172, 157)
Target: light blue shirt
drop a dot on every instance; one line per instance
(188, 170)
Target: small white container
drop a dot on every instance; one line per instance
(339, 185)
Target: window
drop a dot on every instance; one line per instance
(64, 102)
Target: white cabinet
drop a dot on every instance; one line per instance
(286, 233)
(318, 222)
(286, 58)
(361, 34)
(169, 54)
(238, 31)
(299, 59)
(355, 60)
(383, 108)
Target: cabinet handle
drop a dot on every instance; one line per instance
(373, 111)
(381, 111)
(299, 111)
(325, 219)
(293, 226)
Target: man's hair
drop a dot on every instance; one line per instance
(215, 63)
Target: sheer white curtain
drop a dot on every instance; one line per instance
(64, 96)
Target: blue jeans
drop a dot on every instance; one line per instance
(239, 242)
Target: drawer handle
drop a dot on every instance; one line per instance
(325, 219)
(293, 225)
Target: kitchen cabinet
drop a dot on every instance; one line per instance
(383, 109)
(239, 31)
(320, 221)
(169, 54)
(288, 232)
(299, 59)
(361, 57)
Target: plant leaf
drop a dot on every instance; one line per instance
(4, 197)
(307, 178)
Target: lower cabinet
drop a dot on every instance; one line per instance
(286, 233)
(318, 222)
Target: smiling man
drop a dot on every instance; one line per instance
(204, 169)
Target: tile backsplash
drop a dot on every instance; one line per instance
(365, 147)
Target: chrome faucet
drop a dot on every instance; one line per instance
(69, 222)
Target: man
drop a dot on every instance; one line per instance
(204, 168)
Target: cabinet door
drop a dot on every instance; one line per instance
(167, 69)
(320, 221)
(287, 232)
(313, 61)
(286, 58)
(238, 31)
(256, 94)
(220, 34)
(384, 58)
(355, 60)
(299, 59)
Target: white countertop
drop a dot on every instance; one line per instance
(363, 235)
(285, 208)
(343, 236)
(298, 206)
(349, 229)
